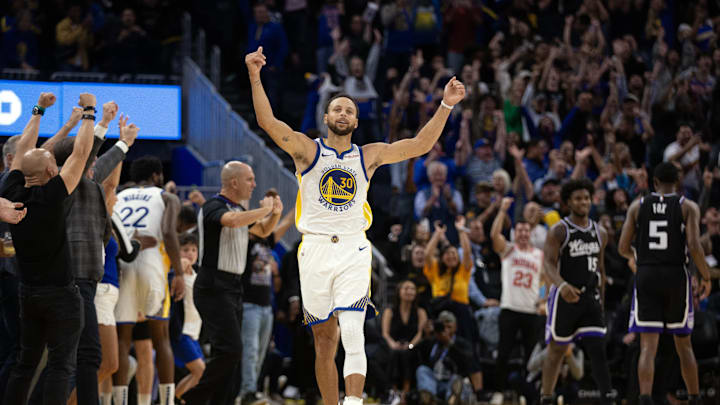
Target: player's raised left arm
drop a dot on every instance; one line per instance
(378, 154)
(628, 234)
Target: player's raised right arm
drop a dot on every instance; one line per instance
(300, 147)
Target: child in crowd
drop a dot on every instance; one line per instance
(187, 350)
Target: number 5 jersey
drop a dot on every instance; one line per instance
(661, 231)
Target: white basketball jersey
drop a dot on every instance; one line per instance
(141, 209)
(521, 279)
(332, 194)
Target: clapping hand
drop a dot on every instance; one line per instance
(277, 205)
(267, 203)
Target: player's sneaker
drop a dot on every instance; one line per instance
(254, 398)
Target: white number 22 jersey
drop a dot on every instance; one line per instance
(141, 209)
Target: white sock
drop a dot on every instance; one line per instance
(105, 398)
(352, 401)
(120, 394)
(144, 399)
(167, 394)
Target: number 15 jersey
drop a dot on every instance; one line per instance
(661, 231)
(141, 209)
(579, 254)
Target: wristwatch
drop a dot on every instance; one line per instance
(37, 110)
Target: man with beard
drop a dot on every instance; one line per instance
(149, 211)
(333, 213)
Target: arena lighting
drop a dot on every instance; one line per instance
(153, 108)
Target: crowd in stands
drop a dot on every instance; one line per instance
(122, 37)
(556, 90)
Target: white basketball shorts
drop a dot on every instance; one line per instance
(106, 296)
(334, 275)
(144, 288)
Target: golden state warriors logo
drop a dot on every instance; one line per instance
(337, 187)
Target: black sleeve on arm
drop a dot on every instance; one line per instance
(128, 248)
(213, 211)
(56, 189)
(97, 143)
(14, 179)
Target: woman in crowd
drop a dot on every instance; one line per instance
(402, 326)
(449, 277)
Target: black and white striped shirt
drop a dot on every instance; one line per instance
(221, 247)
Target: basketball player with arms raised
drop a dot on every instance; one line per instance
(574, 263)
(332, 213)
(667, 226)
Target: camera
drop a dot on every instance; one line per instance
(438, 326)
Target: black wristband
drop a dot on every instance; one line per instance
(88, 117)
(37, 110)
(90, 108)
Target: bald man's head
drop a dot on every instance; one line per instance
(39, 164)
(238, 178)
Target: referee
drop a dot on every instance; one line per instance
(224, 225)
